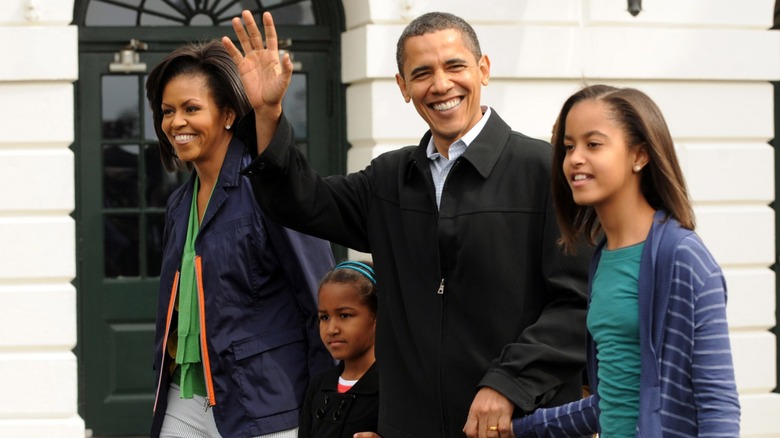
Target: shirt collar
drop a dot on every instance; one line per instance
(467, 138)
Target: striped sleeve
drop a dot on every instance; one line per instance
(575, 419)
(698, 335)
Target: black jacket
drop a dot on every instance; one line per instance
(475, 293)
(328, 414)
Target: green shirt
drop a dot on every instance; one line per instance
(613, 322)
(189, 372)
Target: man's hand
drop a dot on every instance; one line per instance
(264, 75)
(490, 415)
(366, 435)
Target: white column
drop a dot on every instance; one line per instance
(38, 370)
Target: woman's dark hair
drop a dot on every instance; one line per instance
(434, 22)
(354, 274)
(210, 60)
(662, 182)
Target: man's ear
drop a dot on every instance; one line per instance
(484, 68)
(402, 86)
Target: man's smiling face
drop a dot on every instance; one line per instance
(444, 81)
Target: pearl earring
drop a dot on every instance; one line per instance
(637, 168)
(227, 127)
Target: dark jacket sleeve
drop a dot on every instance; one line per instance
(305, 261)
(544, 366)
(333, 208)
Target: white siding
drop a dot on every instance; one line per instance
(38, 371)
(707, 63)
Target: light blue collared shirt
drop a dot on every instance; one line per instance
(440, 165)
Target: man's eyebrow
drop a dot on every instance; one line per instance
(449, 62)
(455, 61)
(420, 69)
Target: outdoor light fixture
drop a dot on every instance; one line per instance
(128, 60)
(634, 7)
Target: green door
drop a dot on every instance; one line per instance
(121, 194)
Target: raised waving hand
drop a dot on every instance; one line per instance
(264, 75)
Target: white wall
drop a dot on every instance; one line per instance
(706, 63)
(37, 263)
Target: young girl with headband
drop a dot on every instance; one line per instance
(344, 401)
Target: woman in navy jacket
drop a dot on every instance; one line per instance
(236, 337)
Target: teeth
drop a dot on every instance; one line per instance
(579, 177)
(183, 137)
(446, 105)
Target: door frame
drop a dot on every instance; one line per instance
(107, 41)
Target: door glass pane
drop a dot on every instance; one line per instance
(295, 105)
(159, 183)
(155, 224)
(120, 176)
(106, 14)
(120, 245)
(170, 8)
(149, 133)
(194, 13)
(120, 106)
(156, 20)
(298, 13)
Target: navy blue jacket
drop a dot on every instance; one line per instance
(257, 289)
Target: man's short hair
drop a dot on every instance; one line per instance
(434, 22)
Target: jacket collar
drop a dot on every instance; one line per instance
(483, 153)
(368, 384)
(229, 177)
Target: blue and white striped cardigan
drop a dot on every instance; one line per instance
(687, 386)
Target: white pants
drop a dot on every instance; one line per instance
(189, 418)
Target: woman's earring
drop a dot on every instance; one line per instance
(637, 168)
(227, 127)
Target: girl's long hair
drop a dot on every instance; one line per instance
(662, 184)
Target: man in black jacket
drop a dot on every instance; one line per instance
(481, 317)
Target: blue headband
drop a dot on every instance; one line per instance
(359, 267)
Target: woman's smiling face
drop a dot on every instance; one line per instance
(192, 121)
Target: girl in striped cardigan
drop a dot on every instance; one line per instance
(659, 357)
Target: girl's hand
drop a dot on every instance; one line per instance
(264, 76)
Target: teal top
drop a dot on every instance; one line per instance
(189, 371)
(613, 322)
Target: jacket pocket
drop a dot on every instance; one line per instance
(271, 372)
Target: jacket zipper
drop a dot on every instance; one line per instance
(210, 398)
(443, 418)
(171, 304)
(455, 165)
